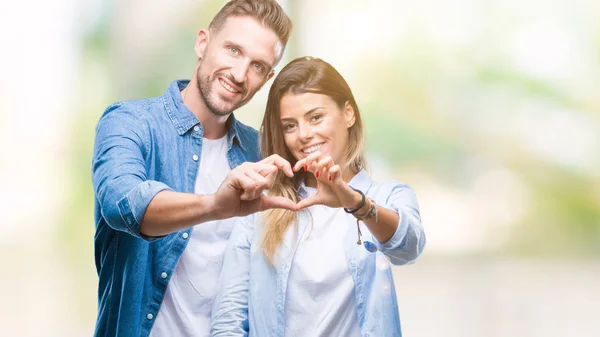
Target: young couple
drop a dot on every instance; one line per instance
(197, 236)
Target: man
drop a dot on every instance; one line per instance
(168, 176)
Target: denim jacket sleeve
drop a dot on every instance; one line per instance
(119, 171)
(407, 243)
(230, 307)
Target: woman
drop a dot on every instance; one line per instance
(324, 270)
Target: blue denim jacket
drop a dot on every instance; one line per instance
(143, 147)
(252, 293)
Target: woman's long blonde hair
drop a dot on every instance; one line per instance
(302, 75)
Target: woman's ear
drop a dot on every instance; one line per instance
(349, 114)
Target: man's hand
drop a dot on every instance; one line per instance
(242, 191)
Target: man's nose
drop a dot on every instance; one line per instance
(239, 71)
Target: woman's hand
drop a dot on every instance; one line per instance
(332, 190)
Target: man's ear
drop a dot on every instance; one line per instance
(201, 42)
(349, 114)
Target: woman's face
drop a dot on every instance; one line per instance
(314, 122)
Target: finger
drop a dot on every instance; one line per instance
(261, 183)
(335, 174)
(277, 202)
(307, 162)
(260, 180)
(310, 201)
(326, 162)
(280, 163)
(264, 169)
(322, 166)
(245, 183)
(299, 164)
(246, 186)
(268, 171)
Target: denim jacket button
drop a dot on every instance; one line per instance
(195, 157)
(163, 275)
(196, 128)
(185, 235)
(149, 316)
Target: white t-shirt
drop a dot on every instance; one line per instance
(186, 309)
(320, 300)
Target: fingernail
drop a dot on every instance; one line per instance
(330, 178)
(305, 167)
(317, 174)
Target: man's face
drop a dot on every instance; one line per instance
(235, 62)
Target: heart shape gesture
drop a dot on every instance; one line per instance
(332, 190)
(242, 191)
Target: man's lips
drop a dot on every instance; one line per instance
(232, 88)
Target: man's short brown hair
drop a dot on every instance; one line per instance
(267, 12)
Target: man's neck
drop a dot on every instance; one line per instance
(214, 126)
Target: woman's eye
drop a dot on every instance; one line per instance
(316, 118)
(288, 127)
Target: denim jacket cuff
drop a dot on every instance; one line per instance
(132, 206)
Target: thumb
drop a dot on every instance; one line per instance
(277, 202)
(310, 201)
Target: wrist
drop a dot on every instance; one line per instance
(369, 211)
(211, 205)
(364, 207)
(355, 202)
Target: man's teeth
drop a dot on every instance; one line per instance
(312, 148)
(228, 87)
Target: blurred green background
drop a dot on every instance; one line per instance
(489, 109)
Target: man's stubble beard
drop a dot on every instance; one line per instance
(213, 103)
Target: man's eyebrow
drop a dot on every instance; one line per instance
(233, 44)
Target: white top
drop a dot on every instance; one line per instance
(320, 300)
(186, 309)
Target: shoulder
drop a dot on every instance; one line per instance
(136, 115)
(138, 108)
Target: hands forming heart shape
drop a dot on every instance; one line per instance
(242, 191)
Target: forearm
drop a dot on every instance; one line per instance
(170, 211)
(384, 226)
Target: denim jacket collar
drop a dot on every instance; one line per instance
(183, 119)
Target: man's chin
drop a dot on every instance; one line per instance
(222, 108)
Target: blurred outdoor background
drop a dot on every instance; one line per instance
(489, 109)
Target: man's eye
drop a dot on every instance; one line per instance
(259, 67)
(234, 50)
